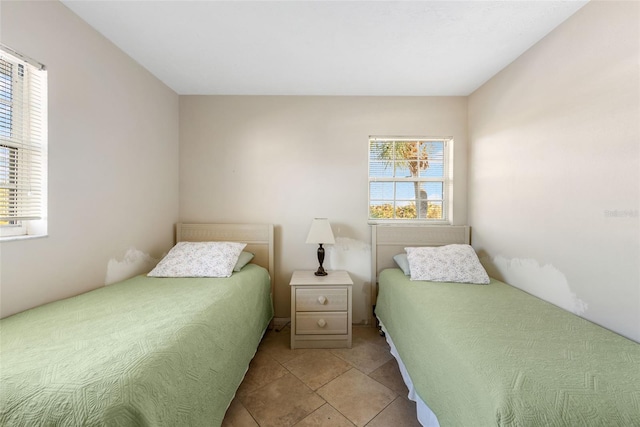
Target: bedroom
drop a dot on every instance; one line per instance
(116, 134)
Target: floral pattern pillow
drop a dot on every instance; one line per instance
(199, 259)
(450, 263)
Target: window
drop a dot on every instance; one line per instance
(410, 179)
(23, 148)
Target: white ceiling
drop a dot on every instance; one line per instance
(360, 47)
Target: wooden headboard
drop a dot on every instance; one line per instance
(390, 240)
(258, 237)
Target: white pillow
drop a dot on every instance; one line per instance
(243, 259)
(199, 259)
(450, 263)
(402, 262)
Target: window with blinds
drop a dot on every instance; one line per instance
(409, 179)
(23, 143)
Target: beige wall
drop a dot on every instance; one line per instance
(554, 167)
(113, 148)
(286, 160)
(553, 177)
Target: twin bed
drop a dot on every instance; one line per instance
(148, 351)
(492, 355)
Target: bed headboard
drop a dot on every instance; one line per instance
(258, 237)
(390, 240)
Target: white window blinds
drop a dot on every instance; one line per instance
(23, 137)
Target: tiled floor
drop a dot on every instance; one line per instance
(360, 386)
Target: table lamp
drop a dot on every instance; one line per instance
(321, 234)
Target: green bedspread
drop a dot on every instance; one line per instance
(143, 352)
(486, 355)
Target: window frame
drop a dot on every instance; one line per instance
(23, 139)
(446, 180)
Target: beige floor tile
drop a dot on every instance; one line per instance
(364, 355)
(278, 388)
(369, 334)
(238, 416)
(278, 345)
(325, 416)
(317, 367)
(389, 375)
(356, 396)
(263, 369)
(400, 413)
(282, 403)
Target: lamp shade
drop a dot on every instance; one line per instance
(320, 232)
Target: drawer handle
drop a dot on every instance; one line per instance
(322, 299)
(322, 323)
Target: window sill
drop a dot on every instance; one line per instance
(23, 237)
(407, 222)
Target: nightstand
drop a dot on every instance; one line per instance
(320, 310)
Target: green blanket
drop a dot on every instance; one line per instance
(143, 352)
(487, 355)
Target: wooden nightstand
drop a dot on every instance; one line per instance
(320, 310)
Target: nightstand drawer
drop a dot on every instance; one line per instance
(322, 299)
(321, 323)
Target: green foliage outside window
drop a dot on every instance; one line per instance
(387, 211)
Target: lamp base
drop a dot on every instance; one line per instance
(320, 272)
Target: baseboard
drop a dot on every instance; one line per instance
(281, 322)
